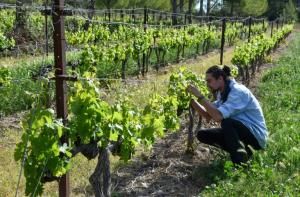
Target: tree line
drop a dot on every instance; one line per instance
(269, 8)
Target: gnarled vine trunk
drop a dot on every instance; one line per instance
(101, 178)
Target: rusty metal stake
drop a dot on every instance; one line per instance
(60, 83)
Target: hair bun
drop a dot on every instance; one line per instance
(227, 70)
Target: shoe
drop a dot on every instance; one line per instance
(240, 156)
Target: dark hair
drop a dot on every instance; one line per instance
(225, 72)
(217, 72)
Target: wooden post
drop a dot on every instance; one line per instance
(223, 40)
(109, 15)
(122, 15)
(133, 16)
(145, 30)
(46, 30)
(160, 17)
(48, 96)
(190, 18)
(153, 16)
(208, 41)
(249, 33)
(272, 25)
(174, 17)
(60, 83)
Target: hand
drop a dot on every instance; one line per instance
(193, 90)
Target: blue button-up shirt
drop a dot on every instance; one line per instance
(242, 105)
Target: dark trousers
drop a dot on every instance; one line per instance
(233, 137)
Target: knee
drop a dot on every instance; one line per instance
(203, 136)
(226, 123)
(199, 135)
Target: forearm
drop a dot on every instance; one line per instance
(213, 112)
(201, 110)
(210, 109)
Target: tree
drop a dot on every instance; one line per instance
(174, 10)
(290, 12)
(234, 3)
(157, 4)
(181, 5)
(201, 8)
(91, 13)
(232, 7)
(207, 7)
(212, 5)
(21, 32)
(275, 8)
(254, 7)
(108, 4)
(190, 9)
(244, 7)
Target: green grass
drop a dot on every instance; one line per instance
(17, 96)
(276, 170)
(22, 91)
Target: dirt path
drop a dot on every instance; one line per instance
(168, 171)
